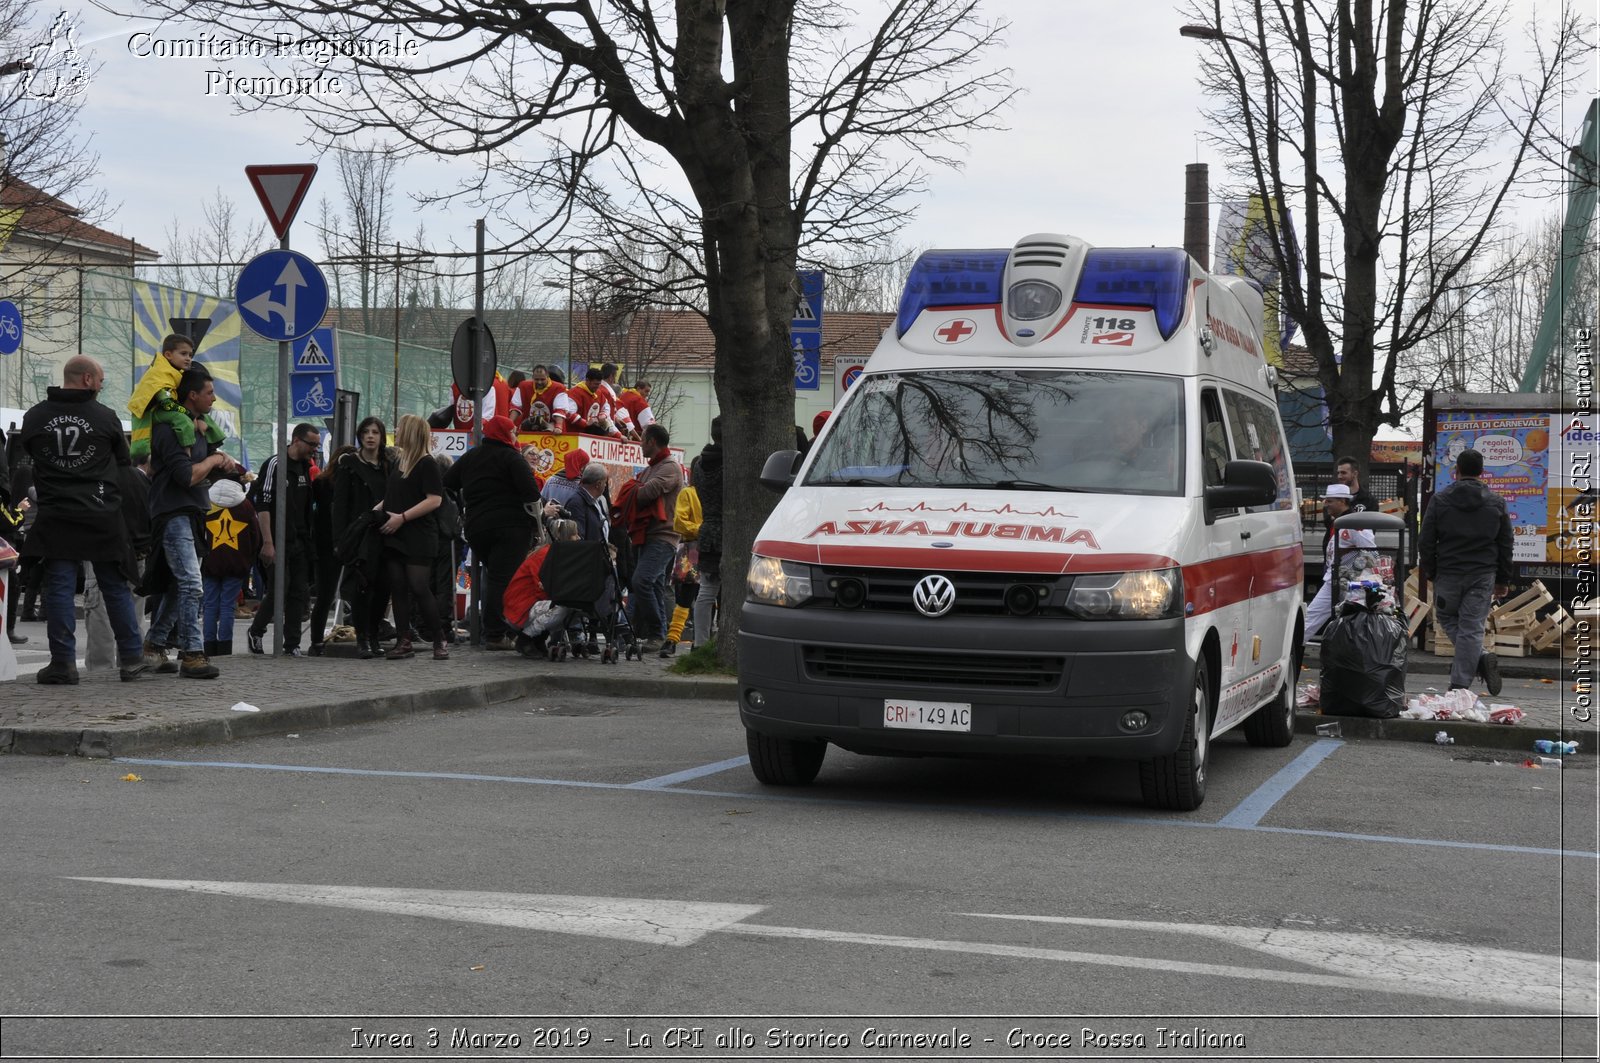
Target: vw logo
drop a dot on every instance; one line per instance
(933, 595)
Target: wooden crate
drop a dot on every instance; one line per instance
(1522, 611)
(1508, 644)
(1546, 636)
(1417, 614)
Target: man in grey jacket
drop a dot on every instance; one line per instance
(1465, 547)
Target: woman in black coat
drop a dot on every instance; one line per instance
(414, 491)
(359, 481)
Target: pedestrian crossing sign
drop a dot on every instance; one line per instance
(314, 353)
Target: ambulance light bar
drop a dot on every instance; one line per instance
(951, 278)
(1155, 278)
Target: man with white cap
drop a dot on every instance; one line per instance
(1336, 502)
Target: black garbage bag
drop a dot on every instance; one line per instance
(1364, 663)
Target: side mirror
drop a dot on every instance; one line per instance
(778, 473)
(1244, 483)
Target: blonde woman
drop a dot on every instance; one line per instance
(413, 492)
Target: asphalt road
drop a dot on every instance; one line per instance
(566, 870)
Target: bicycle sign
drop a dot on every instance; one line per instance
(10, 327)
(807, 347)
(311, 394)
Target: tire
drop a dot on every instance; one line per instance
(1272, 726)
(784, 761)
(1177, 781)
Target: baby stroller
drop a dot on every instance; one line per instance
(581, 577)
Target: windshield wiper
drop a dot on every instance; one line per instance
(860, 481)
(1029, 485)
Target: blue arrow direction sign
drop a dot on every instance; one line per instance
(315, 353)
(282, 295)
(311, 395)
(10, 327)
(807, 347)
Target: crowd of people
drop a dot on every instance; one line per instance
(170, 539)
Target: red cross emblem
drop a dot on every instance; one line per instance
(955, 331)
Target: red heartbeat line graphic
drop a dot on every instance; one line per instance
(965, 507)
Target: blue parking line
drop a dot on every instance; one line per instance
(1253, 808)
(1076, 817)
(662, 781)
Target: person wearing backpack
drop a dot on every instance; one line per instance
(654, 505)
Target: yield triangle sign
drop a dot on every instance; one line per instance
(281, 189)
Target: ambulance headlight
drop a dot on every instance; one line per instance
(1148, 595)
(774, 582)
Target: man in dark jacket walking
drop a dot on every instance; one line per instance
(1466, 553)
(78, 448)
(497, 489)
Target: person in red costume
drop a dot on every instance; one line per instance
(497, 400)
(594, 415)
(544, 403)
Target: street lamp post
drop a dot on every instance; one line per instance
(558, 285)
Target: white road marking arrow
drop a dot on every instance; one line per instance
(264, 306)
(658, 922)
(1354, 961)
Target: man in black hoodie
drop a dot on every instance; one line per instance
(78, 448)
(1466, 553)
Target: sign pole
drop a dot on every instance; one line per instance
(479, 387)
(280, 190)
(280, 480)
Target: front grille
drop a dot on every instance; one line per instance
(977, 593)
(927, 668)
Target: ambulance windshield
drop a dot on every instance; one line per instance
(1020, 429)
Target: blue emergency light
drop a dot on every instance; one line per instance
(951, 278)
(1148, 277)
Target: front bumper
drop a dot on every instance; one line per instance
(1038, 686)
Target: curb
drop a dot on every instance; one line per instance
(1515, 739)
(101, 743)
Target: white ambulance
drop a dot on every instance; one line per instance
(1054, 516)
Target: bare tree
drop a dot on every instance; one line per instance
(1396, 133)
(45, 164)
(207, 257)
(1491, 336)
(867, 280)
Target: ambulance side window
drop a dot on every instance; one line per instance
(1256, 437)
(1214, 454)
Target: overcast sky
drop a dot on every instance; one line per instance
(1096, 146)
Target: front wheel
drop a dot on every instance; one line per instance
(1177, 780)
(784, 761)
(1272, 726)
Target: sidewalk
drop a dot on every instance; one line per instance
(103, 717)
